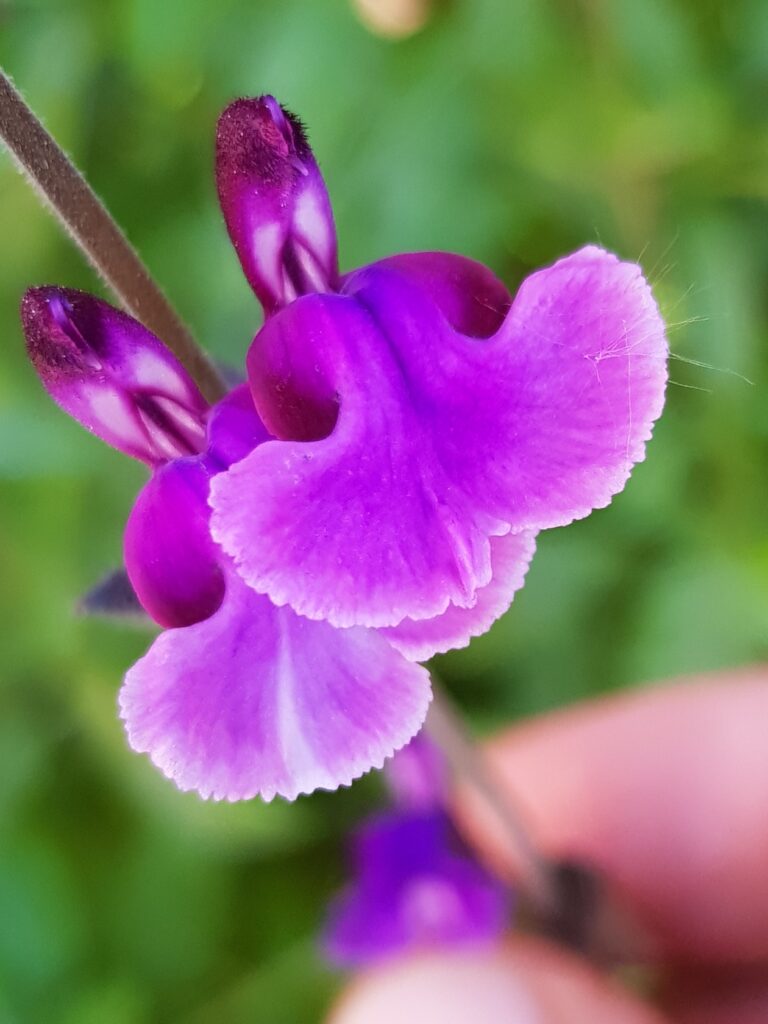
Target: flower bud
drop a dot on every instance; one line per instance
(112, 375)
(275, 203)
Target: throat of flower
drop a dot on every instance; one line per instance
(173, 431)
(303, 273)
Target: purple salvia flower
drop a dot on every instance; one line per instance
(370, 498)
(429, 423)
(415, 884)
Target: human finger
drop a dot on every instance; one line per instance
(665, 792)
(526, 981)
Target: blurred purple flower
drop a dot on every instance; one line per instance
(414, 887)
(415, 884)
(406, 430)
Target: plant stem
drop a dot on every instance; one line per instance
(86, 219)
(565, 899)
(449, 731)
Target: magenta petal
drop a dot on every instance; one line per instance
(420, 639)
(294, 386)
(274, 202)
(583, 360)
(543, 422)
(471, 298)
(234, 429)
(172, 563)
(442, 441)
(258, 701)
(112, 375)
(352, 528)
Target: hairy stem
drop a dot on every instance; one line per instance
(565, 899)
(87, 221)
(449, 731)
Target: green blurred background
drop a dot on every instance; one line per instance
(509, 130)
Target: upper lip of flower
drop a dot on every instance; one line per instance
(274, 202)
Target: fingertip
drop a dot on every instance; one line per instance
(658, 789)
(525, 982)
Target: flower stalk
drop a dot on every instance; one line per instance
(87, 221)
(565, 900)
(449, 732)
